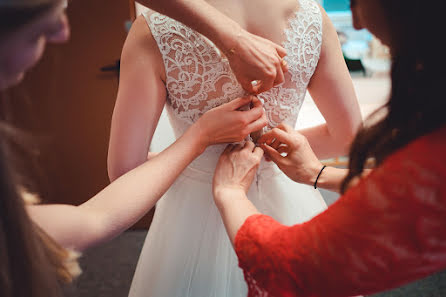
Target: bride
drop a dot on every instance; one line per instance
(165, 63)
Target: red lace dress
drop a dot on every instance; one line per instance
(388, 230)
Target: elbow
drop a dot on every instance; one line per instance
(346, 136)
(99, 229)
(119, 165)
(115, 169)
(112, 173)
(352, 130)
(349, 136)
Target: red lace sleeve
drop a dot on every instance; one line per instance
(388, 230)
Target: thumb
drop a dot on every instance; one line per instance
(280, 51)
(256, 102)
(239, 102)
(272, 153)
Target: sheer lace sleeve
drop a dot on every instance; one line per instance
(388, 230)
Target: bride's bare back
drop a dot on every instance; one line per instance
(265, 18)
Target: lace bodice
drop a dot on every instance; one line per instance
(199, 77)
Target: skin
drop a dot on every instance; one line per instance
(297, 160)
(141, 99)
(252, 58)
(25, 47)
(102, 217)
(333, 93)
(300, 162)
(369, 15)
(142, 93)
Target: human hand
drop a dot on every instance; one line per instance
(291, 151)
(236, 169)
(226, 123)
(256, 59)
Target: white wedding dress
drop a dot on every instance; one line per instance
(187, 251)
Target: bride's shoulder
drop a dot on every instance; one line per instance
(140, 45)
(140, 36)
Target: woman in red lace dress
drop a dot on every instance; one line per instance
(389, 227)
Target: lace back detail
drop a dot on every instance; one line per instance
(200, 78)
(303, 46)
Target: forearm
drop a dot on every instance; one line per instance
(234, 209)
(330, 179)
(202, 17)
(122, 203)
(325, 143)
(131, 196)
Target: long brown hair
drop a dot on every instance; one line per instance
(417, 100)
(14, 17)
(31, 263)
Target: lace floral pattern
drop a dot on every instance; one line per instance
(199, 78)
(303, 46)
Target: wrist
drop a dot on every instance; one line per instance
(228, 37)
(200, 135)
(318, 176)
(311, 173)
(225, 195)
(331, 178)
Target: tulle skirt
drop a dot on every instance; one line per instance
(187, 252)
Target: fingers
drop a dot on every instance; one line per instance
(249, 145)
(284, 66)
(265, 85)
(257, 125)
(238, 103)
(285, 127)
(253, 114)
(272, 153)
(237, 147)
(256, 102)
(280, 78)
(280, 51)
(275, 144)
(275, 135)
(251, 86)
(258, 152)
(283, 149)
(228, 149)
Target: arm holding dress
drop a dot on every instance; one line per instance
(385, 231)
(137, 184)
(251, 57)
